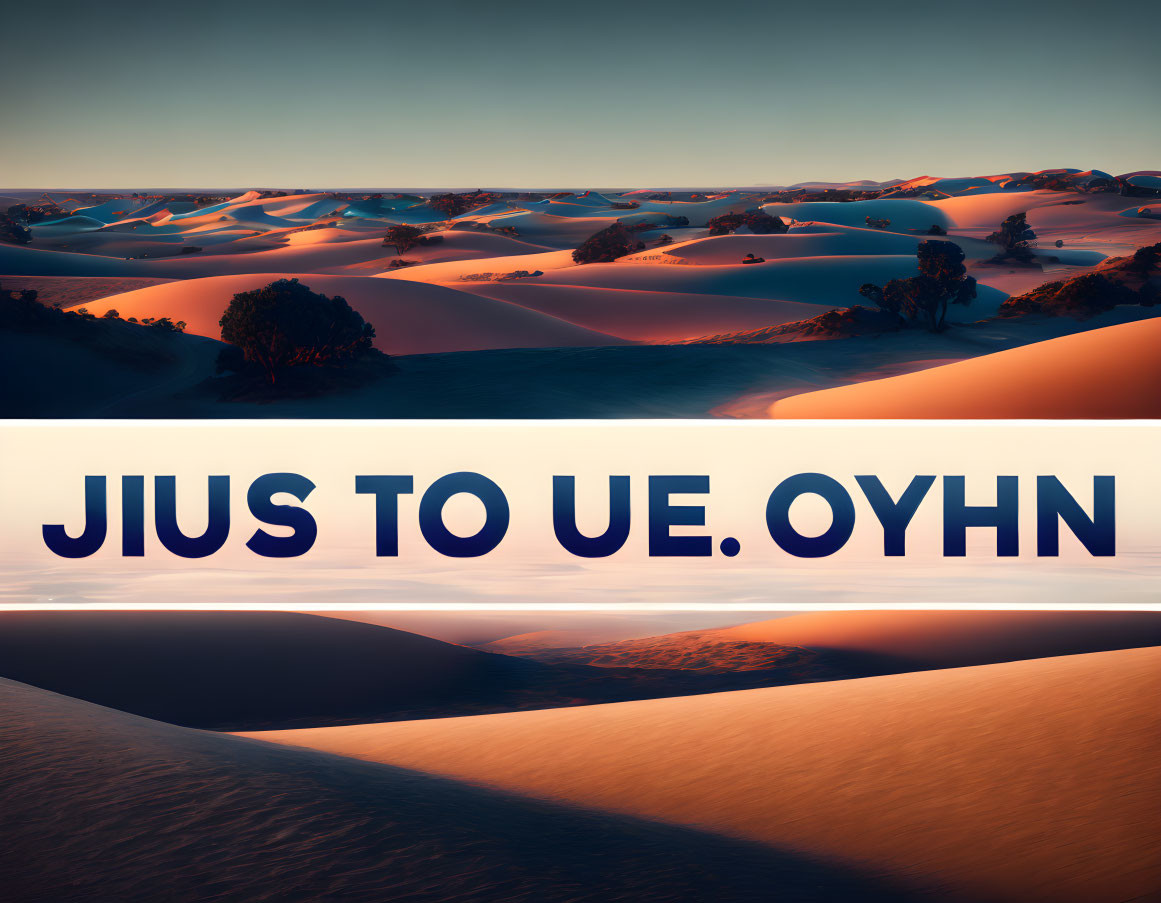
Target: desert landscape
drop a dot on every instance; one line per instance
(874, 755)
(1028, 294)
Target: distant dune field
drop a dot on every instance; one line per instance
(862, 642)
(494, 274)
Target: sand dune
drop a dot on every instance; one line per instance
(642, 315)
(235, 668)
(1114, 371)
(100, 805)
(1026, 782)
(409, 317)
(808, 239)
(453, 272)
(821, 281)
(904, 213)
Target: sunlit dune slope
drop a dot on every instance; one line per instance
(1025, 782)
(1112, 372)
(409, 317)
(98, 805)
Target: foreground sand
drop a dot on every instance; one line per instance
(1030, 782)
(1112, 372)
(98, 805)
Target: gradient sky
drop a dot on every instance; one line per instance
(350, 93)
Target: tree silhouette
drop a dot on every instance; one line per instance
(607, 245)
(403, 237)
(13, 231)
(285, 324)
(942, 280)
(1015, 238)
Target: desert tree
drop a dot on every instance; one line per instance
(403, 236)
(13, 231)
(607, 245)
(925, 298)
(286, 325)
(1015, 238)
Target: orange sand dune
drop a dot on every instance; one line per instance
(1112, 372)
(98, 805)
(1025, 782)
(409, 317)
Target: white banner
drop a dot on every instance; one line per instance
(741, 515)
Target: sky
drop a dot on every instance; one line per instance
(684, 93)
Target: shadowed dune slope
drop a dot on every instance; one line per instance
(1112, 372)
(99, 806)
(222, 669)
(1024, 782)
(259, 670)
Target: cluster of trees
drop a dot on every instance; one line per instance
(286, 325)
(1015, 238)
(37, 213)
(1126, 280)
(13, 230)
(924, 299)
(607, 245)
(404, 237)
(757, 222)
(873, 223)
(834, 195)
(452, 205)
(165, 324)
(22, 311)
